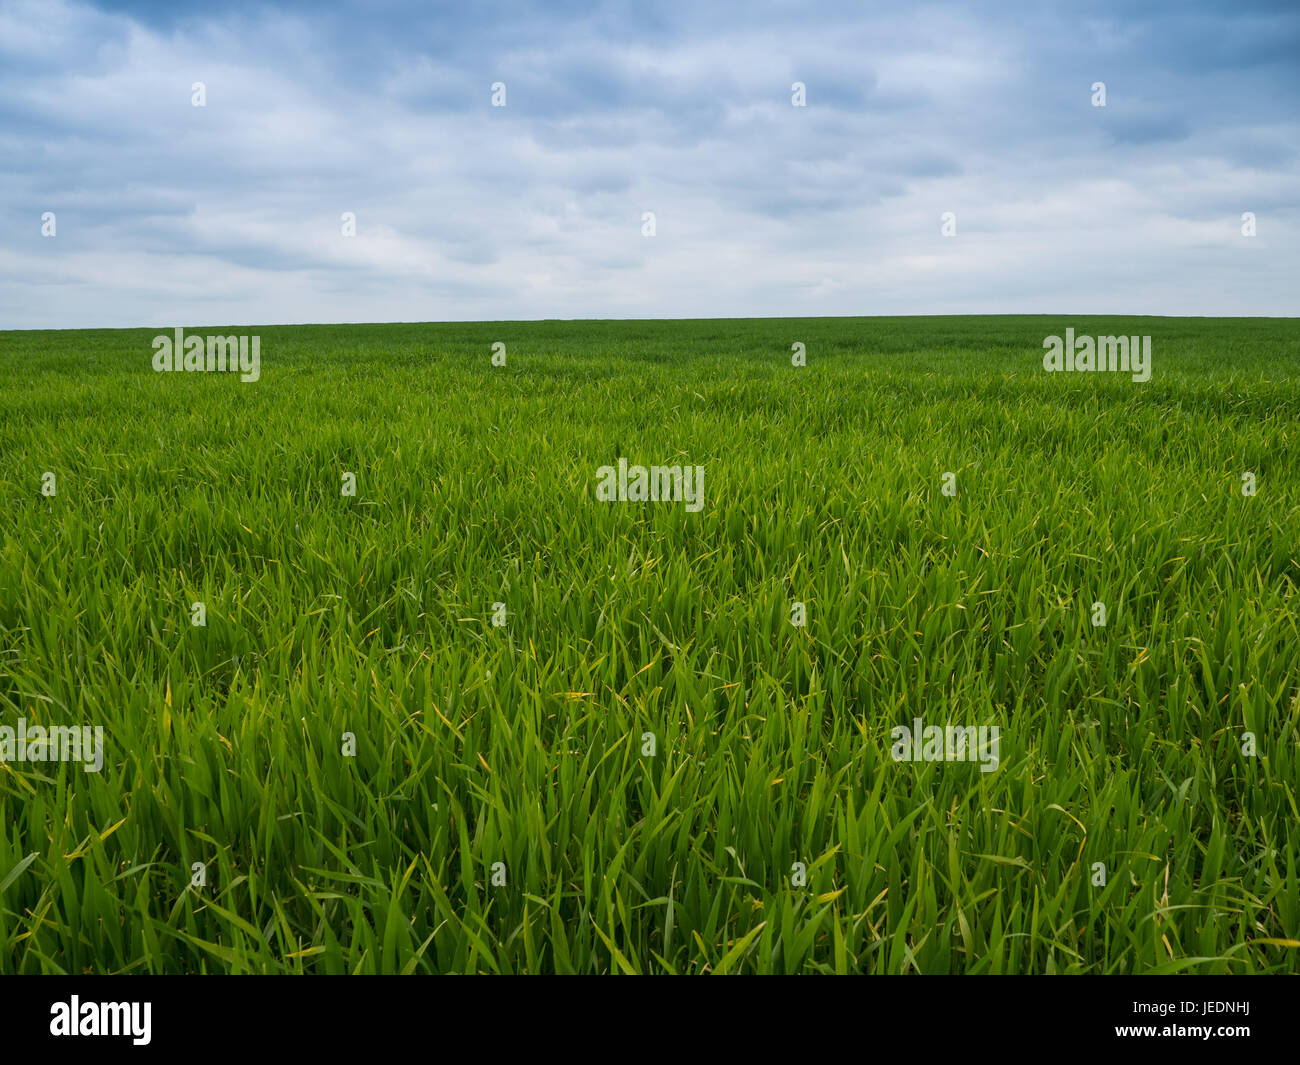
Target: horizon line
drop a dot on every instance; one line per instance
(727, 318)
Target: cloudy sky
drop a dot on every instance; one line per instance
(230, 213)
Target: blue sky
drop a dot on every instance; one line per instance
(171, 214)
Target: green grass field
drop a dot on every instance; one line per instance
(523, 744)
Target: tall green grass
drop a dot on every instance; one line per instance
(523, 744)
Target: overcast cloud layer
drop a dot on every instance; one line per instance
(230, 213)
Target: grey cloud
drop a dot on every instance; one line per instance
(684, 109)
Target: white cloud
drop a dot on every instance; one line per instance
(230, 213)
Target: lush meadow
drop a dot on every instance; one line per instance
(500, 813)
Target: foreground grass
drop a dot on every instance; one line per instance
(523, 744)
